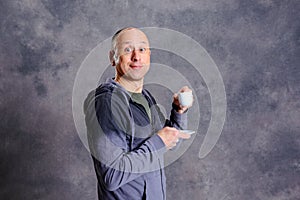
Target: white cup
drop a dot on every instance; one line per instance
(185, 98)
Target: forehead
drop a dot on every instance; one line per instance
(132, 36)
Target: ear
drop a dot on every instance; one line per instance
(112, 57)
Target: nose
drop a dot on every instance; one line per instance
(135, 56)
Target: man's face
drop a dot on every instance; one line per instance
(132, 54)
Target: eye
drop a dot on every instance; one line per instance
(142, 50)
(127, 50)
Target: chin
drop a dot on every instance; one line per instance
(136, 77)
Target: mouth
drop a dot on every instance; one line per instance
(136, 66)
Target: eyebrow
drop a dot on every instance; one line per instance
(129, 42)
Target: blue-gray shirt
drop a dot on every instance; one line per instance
(126, 151)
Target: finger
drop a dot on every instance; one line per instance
(184, 107)
(168, 128)
(184, 135)
(175, 95)
(173, 130)
(172, 145)
(185, 89)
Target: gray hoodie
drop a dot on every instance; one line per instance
(126, 151)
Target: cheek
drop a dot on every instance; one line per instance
(122, 60)
(124, 63)
(147, 59)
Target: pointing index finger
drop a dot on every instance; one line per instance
(184, 135)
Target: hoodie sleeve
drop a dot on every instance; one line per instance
(177, 120)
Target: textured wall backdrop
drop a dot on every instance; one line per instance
(255, 44)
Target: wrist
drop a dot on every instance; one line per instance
(179, 109)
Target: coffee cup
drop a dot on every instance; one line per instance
(185, 98)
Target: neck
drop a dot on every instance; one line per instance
(131, 86)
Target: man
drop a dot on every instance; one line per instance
(128, 135)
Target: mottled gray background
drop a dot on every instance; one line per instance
(254, 43)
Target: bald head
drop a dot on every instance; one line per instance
(113, 40)
(120, 32)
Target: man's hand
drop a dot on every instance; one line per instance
(170, 136)
(181, 109)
